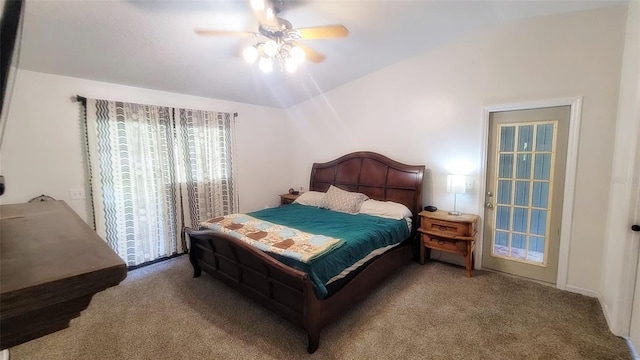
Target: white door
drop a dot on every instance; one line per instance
(634, 330)
(634, 215)
(524, 191)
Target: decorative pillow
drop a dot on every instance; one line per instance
(387, 209)
(311, 198)
(344, 201)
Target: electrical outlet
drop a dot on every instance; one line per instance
(469, 183)
(76, 194)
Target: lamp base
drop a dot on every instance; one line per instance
(455, 213)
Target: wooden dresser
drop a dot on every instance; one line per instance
(51, 265)
(450, 233)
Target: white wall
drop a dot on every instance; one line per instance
(620, 255)
(43, 149)
(424, 110)
(428, 110)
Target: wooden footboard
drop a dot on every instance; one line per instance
(283, 289)
(250, 271)
(289, 292)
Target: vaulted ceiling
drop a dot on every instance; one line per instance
(152, 44)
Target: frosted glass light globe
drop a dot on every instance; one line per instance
(270, 48)
(298, 54)
(250, 54)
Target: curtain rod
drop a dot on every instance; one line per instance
(83, 100)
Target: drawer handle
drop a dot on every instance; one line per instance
(441, 242)
(443, 228)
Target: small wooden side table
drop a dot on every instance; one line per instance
(450, 233)
(288, 198)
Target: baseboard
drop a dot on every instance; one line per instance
(605, 311)
(634, 353)
(581, 291)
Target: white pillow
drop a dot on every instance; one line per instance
(344, 201)
(310, 198)
(387, 209)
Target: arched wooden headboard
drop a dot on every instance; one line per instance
(374, 175)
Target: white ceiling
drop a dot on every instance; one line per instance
(151, 44)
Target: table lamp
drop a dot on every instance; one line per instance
(456, 184)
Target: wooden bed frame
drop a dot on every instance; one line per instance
(288, 291)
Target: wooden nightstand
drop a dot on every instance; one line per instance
(288, 198)
(450, 233)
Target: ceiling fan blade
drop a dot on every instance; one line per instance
(323, 32)
(311, 54)
(225, 33)
(265, 12)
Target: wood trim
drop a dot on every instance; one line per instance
(570, 174)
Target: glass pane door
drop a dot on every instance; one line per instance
(524, 178)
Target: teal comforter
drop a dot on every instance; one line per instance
(361, 234)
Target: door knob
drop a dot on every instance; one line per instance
(635, 227)
(489, 205)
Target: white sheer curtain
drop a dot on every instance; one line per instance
(142, 161)
(205, 145)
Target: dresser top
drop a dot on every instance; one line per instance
(444, 215)
(49, 259)
(45, 242)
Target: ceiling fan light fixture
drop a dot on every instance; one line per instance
(266, 64)
(297, 54)
(270, 48)
(250, 54)
(277, 43)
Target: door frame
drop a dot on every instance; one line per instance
(570, 176)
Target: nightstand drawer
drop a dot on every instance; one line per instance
(450, 233)
(448, 245)
(449, 227)
(284, 201)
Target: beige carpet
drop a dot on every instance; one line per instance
(423, 312)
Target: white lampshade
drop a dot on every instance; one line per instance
(456, 184)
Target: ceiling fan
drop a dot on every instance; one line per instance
(278, 42)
